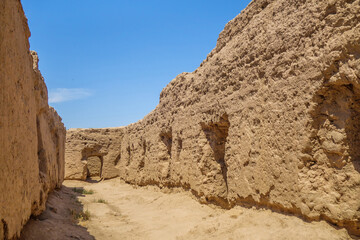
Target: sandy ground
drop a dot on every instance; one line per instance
(120, 211)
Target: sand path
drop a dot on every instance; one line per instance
(121, 211)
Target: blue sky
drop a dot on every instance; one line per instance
(106, 62)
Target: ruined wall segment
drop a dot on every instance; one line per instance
(32, 136)
(93, 153)
(270, 118)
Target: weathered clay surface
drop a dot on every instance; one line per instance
(32, 136)
(86, 147)
(270, 118)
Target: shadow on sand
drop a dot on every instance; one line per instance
(62, 218)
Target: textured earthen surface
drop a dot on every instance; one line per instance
(32, 136)
(86, 149)
(270, 118)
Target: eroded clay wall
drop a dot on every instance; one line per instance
(84, 145)
(270, 118)
(32, 136)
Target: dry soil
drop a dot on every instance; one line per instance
(122, 211)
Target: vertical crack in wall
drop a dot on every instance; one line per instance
(216, 134)
(166, 138)
(129, 155)
(143, 154)
(117, 159)
(101, 166)
(166, 158)
(353, 129)
(179, 147)
(43, 168)
(58, 161)
(5, 231)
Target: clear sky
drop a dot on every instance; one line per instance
(106, 62)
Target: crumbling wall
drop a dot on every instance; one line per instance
(269, 119)
(85, 147)
(32, 137)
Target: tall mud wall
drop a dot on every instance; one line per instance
(271, 118)
(32, 136)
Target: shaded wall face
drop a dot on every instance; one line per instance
(94, 165)
(31, 134)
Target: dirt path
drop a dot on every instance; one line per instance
(120, 211)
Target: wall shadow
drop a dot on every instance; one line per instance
(61, 218)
